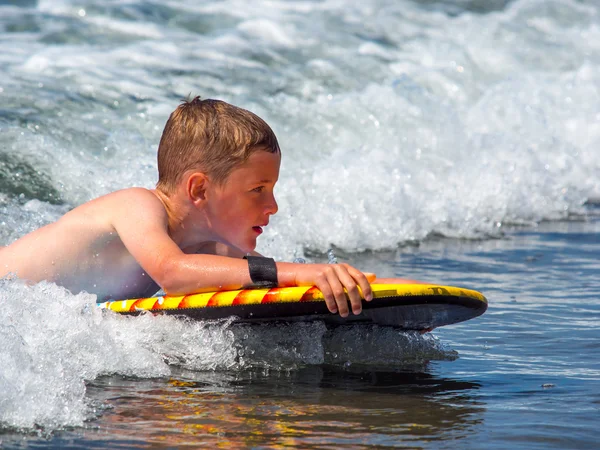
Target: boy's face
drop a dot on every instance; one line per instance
(240, 208)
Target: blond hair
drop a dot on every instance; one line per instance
(211, 136)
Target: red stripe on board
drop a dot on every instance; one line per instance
(184, 302)
(273, 296)
(243, 297)
(222, 298)
(212, 301)
(134, 304)
(310, 294)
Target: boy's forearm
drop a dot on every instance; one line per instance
(203, 273)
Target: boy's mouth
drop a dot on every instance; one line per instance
(259, 230)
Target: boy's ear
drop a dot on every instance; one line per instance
(197, 184)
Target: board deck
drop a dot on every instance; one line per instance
(405, 306)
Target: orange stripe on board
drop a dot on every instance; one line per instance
(213, 300)
(157, 304)
(134, 304)
(245, 297)
(310, 295)
(223, 298)
(184, 303)
(273, 296)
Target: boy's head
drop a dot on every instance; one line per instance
(211, 136)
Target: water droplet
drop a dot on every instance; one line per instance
(331, 259)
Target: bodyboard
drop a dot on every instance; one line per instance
(405, 306)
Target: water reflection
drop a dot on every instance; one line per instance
(309, 407)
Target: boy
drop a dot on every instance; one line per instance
(218, 165)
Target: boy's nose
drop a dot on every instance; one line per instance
(272, 207)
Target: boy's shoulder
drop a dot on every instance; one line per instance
(129, 197)
(139, 200)
(125, 203)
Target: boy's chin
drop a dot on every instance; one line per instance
(248, 249)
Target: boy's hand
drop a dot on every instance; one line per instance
(332, 280)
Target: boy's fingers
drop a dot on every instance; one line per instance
(338, 292)
(342, 282)
(351, 287)
(363, 282)
(327, 285)
(328, 296)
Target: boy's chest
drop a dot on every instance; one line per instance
(110, 272)
(125, 284)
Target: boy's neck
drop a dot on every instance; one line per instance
(184, 221)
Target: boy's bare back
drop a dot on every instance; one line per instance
(83, 251)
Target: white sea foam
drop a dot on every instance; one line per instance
(389, 136)
(266, 30)
(53, 342)
(18, 219)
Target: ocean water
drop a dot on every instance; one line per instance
(450, 141)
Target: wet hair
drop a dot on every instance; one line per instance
(211, 136)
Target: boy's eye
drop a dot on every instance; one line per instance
(258, 189)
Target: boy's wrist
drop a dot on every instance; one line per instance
(263, 271)
(288, 273)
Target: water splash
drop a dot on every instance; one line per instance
(54, 342)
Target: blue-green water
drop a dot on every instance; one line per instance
(454, 142)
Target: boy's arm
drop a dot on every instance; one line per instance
(314, 274)
(179, 273)
(217, 248)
